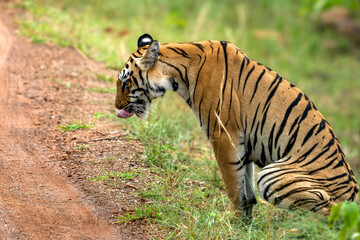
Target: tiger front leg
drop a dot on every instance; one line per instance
(237, 174)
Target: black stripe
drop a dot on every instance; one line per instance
(230, 103)
(141, 77)
(224, 45)
(309, 134)
(306, 111)
(240, 73)
(301, 202)
(286, 116)
(321, 127)
(123, 86)
(332, 133)
(208, 124)
(323, 167)
(352, 197)
(141, 90)
(270, 140)
(320, 206)
(272, 92)
(331, 155)
(197, 79)
(294, 124)
(186, 74)
(326, 148)
(304, 156)
(255, 135)
(249, 147)
(135, 81)
(341, 163)
(277, 176)
(247, 77)
(254, 118)
(330, 143)
(256, 84)
(179, 51)
(178, 70)
(189, 102)
(200, 112)
(343, 193)
(135, 56)
(231, 94)
(274, 81)
(286, 185)
(241, 160)
(270, 172)
(264, 119)
(201, 47)
(290, 143)
(279, 199)
(174, 84)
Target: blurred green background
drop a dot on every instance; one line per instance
(290, 37)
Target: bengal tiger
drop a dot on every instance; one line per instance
(251, 115)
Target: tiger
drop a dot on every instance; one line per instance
(251, 115)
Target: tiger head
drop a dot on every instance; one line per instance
(140, 80)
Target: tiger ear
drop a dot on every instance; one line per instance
(144, 40)
(150, 56)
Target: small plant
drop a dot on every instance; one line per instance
(99, 115)
(77, 125)
(151, 211)
(121, 176)
(38, 40)
(348, 212)
(81, 147)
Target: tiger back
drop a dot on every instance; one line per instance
(251, 115)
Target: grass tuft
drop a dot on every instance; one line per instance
(74, 126)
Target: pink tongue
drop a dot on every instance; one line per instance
(123, 114)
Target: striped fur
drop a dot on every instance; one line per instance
(251, 115)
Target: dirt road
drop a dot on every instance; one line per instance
(38, 200)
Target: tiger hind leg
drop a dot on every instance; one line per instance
(289, 188)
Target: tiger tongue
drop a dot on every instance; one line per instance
(123, 114)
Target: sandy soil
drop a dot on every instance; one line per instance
(45, 191)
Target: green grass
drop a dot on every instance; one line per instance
(114, 176)
(187, 195)
(74, 126)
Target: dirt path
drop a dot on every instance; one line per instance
(38, 200)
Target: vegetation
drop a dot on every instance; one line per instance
(76, 125)
(349, 213)
(187, 195)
